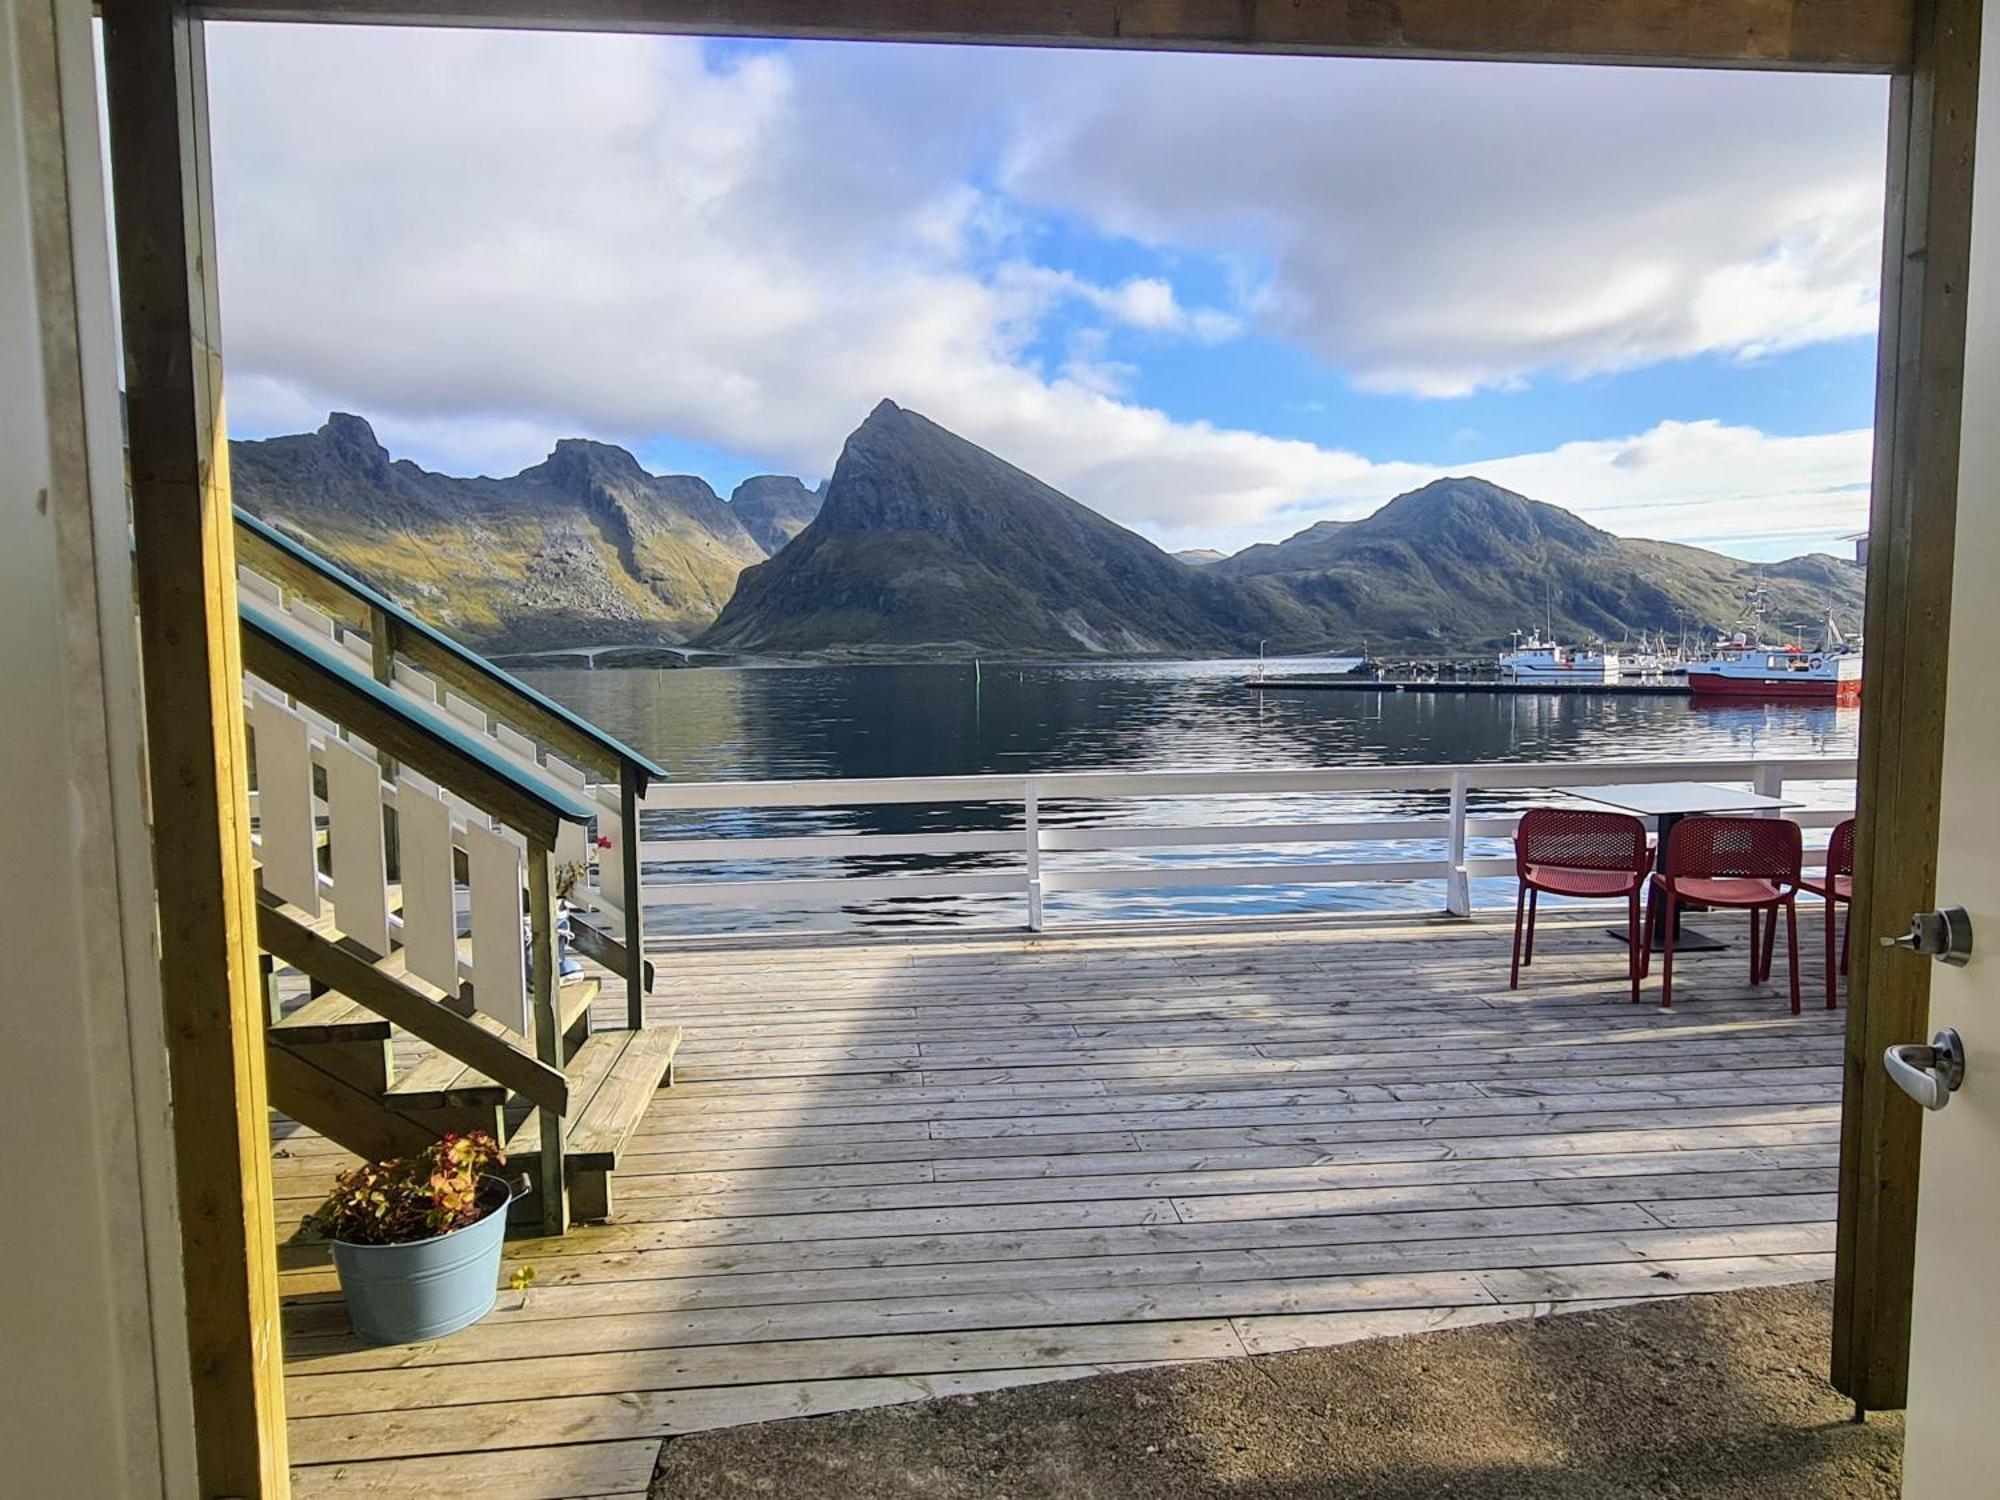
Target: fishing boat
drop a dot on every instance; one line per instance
(1652, 658)
(1537, 660)
(1745, 666)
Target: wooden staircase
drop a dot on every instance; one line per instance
(414, 811)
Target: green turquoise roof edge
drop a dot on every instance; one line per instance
(266, 532)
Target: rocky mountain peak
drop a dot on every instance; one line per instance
(774, 508)
(352, 441)
(575, 464)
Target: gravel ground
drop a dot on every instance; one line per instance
(1710, 1396)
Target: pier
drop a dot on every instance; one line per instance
(1485, 685)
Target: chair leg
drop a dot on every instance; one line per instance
(1770, 943)
(1832, 975)
(1534, 902)
(1520, 907)
(1667, 956)
(1756, 946)
(1791, 947)
(1634, 941)
(1846, 936)
(1646, 935)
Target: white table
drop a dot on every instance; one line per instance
(1669, 802)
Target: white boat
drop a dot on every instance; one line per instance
(1537, 660)
(1652, 658)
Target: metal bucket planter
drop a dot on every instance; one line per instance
(425, 1289)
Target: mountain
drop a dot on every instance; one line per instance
(774, 508)
(1461, 563)
(921, 541)
(583, 548)
(1200, 557)
(925, 540)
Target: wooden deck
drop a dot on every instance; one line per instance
(910, 1166)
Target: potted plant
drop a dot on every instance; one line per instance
(416, 1239)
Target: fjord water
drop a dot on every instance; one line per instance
(785, 723)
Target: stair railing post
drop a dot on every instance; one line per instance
(1457, 884)
(382, 666)
(1031, 823)
(548, 1039)
(635, 906)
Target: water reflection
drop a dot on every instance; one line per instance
(950, 719)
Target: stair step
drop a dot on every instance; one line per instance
(612, 1078)
(607, 1119)
(331, 1017)
(441, 1080)
(574, 998)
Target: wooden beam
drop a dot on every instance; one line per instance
(1842, 35)
(629, 792)
(184, 563)
(553, 1195)
(1920, 367)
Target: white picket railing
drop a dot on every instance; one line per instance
(1230, 810)
(436, 830)
(603, 898)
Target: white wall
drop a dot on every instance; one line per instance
(93, 1370)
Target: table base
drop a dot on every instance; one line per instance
(1689, 941)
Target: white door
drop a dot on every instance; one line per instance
(1953, 1447)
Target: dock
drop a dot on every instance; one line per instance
(902, 1166)
(1470, 685)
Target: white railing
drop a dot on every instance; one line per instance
(297, 754)
(1062, 814)
(604, 898)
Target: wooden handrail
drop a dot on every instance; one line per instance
(393, 630)
(322, 679)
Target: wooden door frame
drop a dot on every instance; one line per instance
(1920, 369)
(185, 563)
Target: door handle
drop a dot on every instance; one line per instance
(1944, 935)
(1930, 1075)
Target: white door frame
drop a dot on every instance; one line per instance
(92, 1320)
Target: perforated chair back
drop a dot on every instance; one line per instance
(1840, 849)
(1579, 839)
(1735, 849)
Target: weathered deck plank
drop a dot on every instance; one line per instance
(904, 1167)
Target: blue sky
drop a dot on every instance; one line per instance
(1217, 298)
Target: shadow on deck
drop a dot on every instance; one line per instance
(903, 1167)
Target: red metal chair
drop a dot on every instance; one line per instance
(1576, 852)
(1750, 864)
(1837, 887)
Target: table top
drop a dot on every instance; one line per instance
(1672, 798)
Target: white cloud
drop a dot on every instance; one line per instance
(1433, 228)
(485, 241)
(1148, 303)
